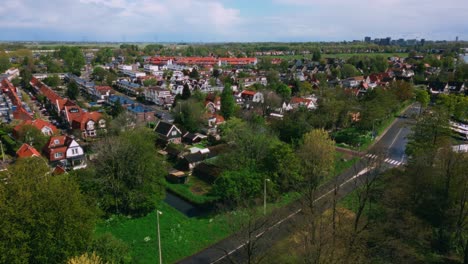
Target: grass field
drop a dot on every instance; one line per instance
(182, 236)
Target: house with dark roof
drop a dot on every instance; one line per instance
(168, 133)
(438, 87)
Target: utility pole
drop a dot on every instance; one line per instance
(264, 195)
(159, 235)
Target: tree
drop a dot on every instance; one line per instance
(283, 90)
(228, 103)
(150, 82)
(4, 63)
(31, 135)
(73, 58)
(117, 109)
(46, 217)
(129, 176)
(189, 114)
(240, 186)
(73, 91)
(316, 55)
(53, 81)
(317, 156)
(86, 259)
(194, 74)
(423, 98)
(402, 90)
(111, 249)
(99, 74)
(348, 70)
(186, 92)
(104, 55)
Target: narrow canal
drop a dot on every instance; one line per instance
(188, 209)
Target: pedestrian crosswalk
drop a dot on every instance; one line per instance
(387, 160)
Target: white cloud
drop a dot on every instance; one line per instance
(218, 20)
(112, 19)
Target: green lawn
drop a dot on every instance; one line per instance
(181, 236)
(195, 190)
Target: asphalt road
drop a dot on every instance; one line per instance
(387, 152)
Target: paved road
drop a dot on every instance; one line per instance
(389, 149)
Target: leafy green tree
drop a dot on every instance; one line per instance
(189, 114)
(236, 187)
(4, 63)
(283, 90)
(53, 81)
(104, 55)
(228, 104)
(186, 92)
(194, 74)
(150, 82)
(45, 218)
(117, 109)
(423, 98)
(403, 90)
(99, 74)
(348, 70)
(317, 157)
(73, 91)
(316, 55)
(129, 175)
(73, 58)
(111, 249)
(31, 135)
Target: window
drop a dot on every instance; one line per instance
(58, 155)
(56, 141)
(174, 133)
(74, 151)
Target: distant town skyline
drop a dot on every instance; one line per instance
(230, 20)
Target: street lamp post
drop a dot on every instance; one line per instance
(264, 195)
(159, 235)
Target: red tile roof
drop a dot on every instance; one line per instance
(21, 114)
(38, 123)
(248, 93)
(80, 121)
(26, 151)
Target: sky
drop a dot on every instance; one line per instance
(231, 20)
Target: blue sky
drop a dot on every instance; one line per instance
(231, 20)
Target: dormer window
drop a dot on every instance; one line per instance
(56, 142)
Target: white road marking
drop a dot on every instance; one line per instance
(396, 137)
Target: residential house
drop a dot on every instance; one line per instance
(89, 123)
(101, 93)
(192, 138)
(252, 96)
(45, 127)
(66, 152)
(27, 151)
(309, 103)
(438, 88)
(131, 88)
(212, 103)
(456, 87)
(168, 133)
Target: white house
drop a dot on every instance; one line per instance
(151, 68)
(124, 67)
(133, 74)
(75, 155)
